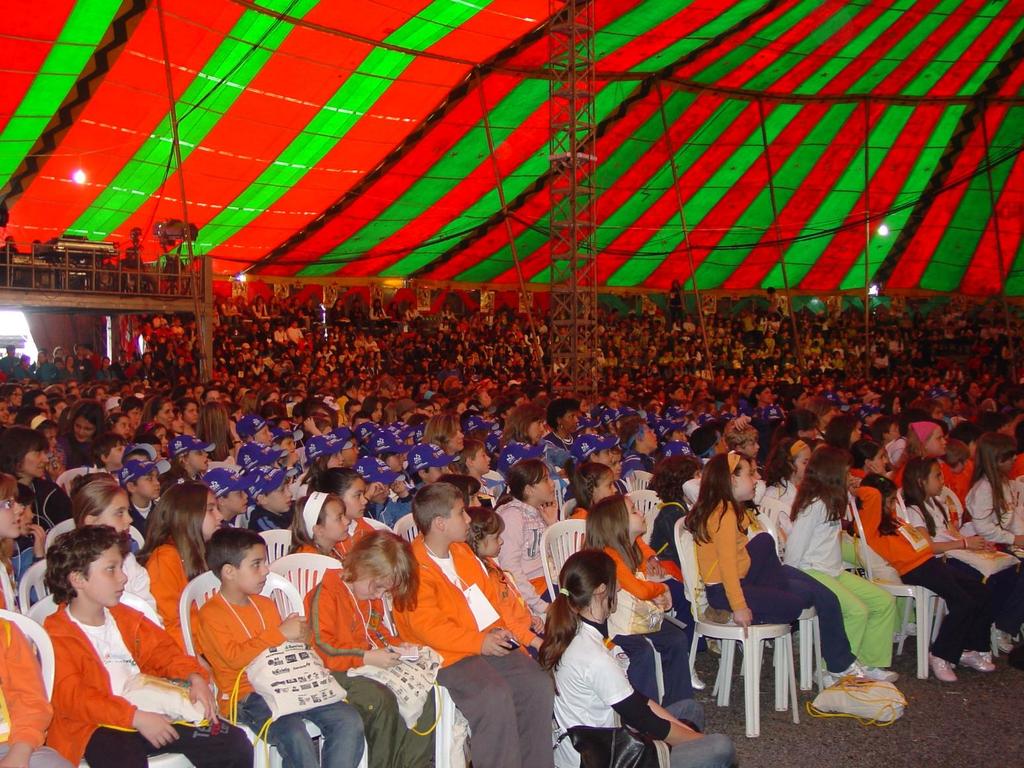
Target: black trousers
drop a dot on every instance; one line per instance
(228, 748)
(966, 626)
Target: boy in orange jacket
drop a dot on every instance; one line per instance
(99, 645)
(238, 624)
(25, 712)
(506, 697)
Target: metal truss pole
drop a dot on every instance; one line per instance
(572, 157)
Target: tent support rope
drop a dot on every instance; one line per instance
(867, 238)
(527, 299)
(778, 235)
(999, 245)
(686, 231)
(202, 307)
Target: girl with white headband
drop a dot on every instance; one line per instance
(322, 527)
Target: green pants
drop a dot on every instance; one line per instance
(391, 744)
(869, 616)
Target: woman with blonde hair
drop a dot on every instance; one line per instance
(444, 431)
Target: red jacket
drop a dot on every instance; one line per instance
(82, 699)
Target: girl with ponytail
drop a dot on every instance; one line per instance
(590, 679)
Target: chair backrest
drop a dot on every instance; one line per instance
(67, 478)
(876, 568)
(196, 593)
(279, 541)
(639, 480)
(648, 504)
(284, 594)
(51, 535)
(32, 583)
(38, 637)
(692, 582)
(377, 524)
(304, 570)
(405, 527)
(41, 609)
(558, 543)
(7, 589)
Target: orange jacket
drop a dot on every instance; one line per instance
(227, 645)
(167, 580)
(511, 602)
(82, 699)
(895, 548)
(960, 482)
(627, 579)
(339, 634)
(442, 618)
(22, 685)
(311, 549)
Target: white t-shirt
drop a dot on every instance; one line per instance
(589, 678)
(110, 647)
(447, 566)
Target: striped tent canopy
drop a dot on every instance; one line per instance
(744, 144)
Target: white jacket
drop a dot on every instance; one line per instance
(814, 543)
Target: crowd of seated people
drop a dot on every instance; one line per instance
(332, 435)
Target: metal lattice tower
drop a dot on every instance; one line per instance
(572, 158)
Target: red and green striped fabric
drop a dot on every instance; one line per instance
(349, 139)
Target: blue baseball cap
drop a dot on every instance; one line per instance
(385, 442)
(223, 481)
(586, 422)
(145, 448)
(181, 444)
(515, 452)
(133, 470)
(277, 434)
(366, 432)
(344, 436)
(255, 456)
(249, 425)
(676, 448)
(264, 482)
(493, 442)
(668, 426)
(373, 470)
(584, 446)
(323, 445)
(474, 421)
(427, 456)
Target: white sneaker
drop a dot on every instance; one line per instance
(854, 670)
(982, 662)
(1002, 640)
(882, 675)
(942, 669)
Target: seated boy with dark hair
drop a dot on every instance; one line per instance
(503, 693)
(238, 624)
(99, 645)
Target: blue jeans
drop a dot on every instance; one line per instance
(712, 751)
(340, 724)
(673, 645)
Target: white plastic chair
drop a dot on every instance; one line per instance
(647, 503)
(284, 594)
(136, 536)
(48, 606)
(7, 589)
(925, 602)
(37, 635)
(32, 581)
(812, 666)
(377, 524)
(279, 541)
(196, 593)
(752, 638)
(558, 543)
(51, 535)
(639, 480)
(67, 478)
(405, 527)
(304, 570)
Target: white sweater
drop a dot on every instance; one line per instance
(814, 543)
(990, 525)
